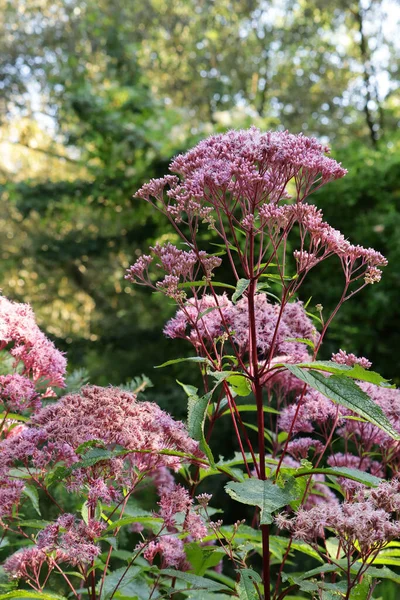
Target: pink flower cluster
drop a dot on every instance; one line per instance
(111, 417)
(319, 240)
(253, 167)
(177, 501)
(39, 357)
(211, 317)
(362, 526)
(114, 416)
(10, 493)
(18, 393)
(342, 358)
(64, 541)
(179, 266)
(175, 506)
(171, 549)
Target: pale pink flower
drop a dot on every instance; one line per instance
(200, 319)
(342, 358)
(171, 550)
(10, 494)
(26, 563)
(18, 393)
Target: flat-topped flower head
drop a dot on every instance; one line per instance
(252, 166)
(115, 417)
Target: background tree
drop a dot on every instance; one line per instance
(98, 96)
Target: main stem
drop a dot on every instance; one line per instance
(257, 388)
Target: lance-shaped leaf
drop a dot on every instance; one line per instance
(241, 287)
(246, 586)
(197, 410)
(354, 372)
(353, 474)
(267, 495)
(239, 383)
(175, 361)
(347, 393)
(195, 581)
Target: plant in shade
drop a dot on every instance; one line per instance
(316, 470)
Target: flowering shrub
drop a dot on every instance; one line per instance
(319, 465)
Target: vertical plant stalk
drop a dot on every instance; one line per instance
(257, 389)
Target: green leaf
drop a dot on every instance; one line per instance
(132, 584)
(238, 382)
(13, 417)
(380, 573)
(241, 287)
(201, 583)
(197, 410)
(34, 524)
(302, 341)
(203, 558)
(353, 474)
(189, 390)
(240, 385)
(89, 444)
(262, 286)
(221, 578)
(267, 495)
(206, 311)
(355, 372)
(224, 246)
(150, 522)
(32, 493)
(361, 590)
(175, 361)
(347, 393)
(85, 512)
(246, 586)
(201, 283)
(250, 408)
(29, 594)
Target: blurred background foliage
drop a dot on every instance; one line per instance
(97, 96)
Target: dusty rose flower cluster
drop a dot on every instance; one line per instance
(363, 526)
(27, 344)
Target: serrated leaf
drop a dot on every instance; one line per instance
(267, 495)
(353, 474)
(85, 512)
(250, 408)
(354, 372)
(241, 287)
(89, 444)
(34, 524)
(31, 492)
(31, 594)
(380, 573)
(197, 410)
(361, 590)
(238, 382)
(13, 417)
(246, 586)
(189, 390)
(152, 523)
(175, 361)
(131, 585)
(345, 392)
(302, 341)
(195, 580)
(202, 558)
